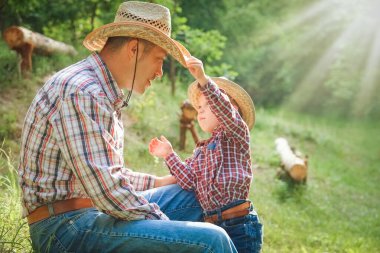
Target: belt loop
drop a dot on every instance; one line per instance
(51, 209)
(204, 215)
(219, 213)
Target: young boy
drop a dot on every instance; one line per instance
(219, 170)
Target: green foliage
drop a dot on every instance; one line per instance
(208, 46)
(14, 234)
(300, 54)
(305, 55)
(9, 69)
(67, 20)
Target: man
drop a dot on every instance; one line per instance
(77, 194)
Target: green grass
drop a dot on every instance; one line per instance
(14, 233)
(336, 211)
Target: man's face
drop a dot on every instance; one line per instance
(206, 118)
(149, 67)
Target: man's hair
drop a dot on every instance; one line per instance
(114, 43)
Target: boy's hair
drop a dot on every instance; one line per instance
(114, 43)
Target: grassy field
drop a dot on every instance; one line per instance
(336, 211)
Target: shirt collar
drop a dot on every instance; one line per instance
(217, 130)
(108, 83)
(214, 135)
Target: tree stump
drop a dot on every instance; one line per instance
(187, 117)
(293, 167)
(25, 42)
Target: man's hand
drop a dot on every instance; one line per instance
(160, 147)
(165, 180)
(195, 67)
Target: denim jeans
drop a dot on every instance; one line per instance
(89, 230)
(246, 232)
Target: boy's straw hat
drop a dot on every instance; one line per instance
(233, 90)
(139, 20)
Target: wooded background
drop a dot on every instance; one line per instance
(318, 57)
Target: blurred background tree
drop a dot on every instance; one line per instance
(315, 56)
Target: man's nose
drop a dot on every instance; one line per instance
(159, 72)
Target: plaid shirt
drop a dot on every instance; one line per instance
(220, 169)
(72, 145)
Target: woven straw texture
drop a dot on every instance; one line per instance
(139, 20)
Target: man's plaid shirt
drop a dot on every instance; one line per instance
(72, 145)
(220, 169)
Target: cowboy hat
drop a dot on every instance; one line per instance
(235, 91)
(139, 20)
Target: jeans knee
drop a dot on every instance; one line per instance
(219, 239)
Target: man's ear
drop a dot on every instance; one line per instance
(131, 48)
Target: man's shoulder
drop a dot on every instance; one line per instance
(76, 78)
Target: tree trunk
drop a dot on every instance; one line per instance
(172, 76)
(93, 15)
(189, 114)
(25, 42)
(293, 165)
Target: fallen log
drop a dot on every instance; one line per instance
(25, 42)
(292, 165)
(187, 117)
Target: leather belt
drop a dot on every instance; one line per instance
(233, 212)
(58, 207)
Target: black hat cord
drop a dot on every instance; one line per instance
(125, 102)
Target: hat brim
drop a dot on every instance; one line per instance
(96, 40)
(242, 98)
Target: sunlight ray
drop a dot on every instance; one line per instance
(308, 13)
(309, 85)
(368, 82)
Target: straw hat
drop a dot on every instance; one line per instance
(139, 20)
(235, 91)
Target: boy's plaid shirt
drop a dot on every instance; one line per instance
(72, 145)
(220, 169)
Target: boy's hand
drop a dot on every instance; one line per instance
(160, 147)
(195, 67)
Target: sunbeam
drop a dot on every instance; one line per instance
(348, 30)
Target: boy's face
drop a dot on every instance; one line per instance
(206, 118)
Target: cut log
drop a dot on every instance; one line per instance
(25, 42)
(293, 165)
(17, 36)
(189, 114)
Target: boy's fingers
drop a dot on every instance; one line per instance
(153, 144)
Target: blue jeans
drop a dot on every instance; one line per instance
(88, 230)
(246, 232)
